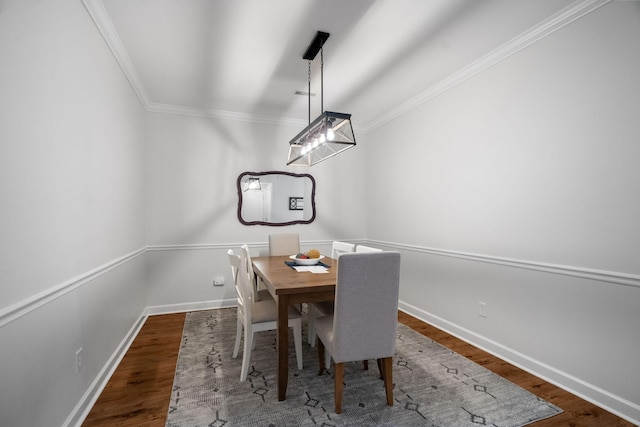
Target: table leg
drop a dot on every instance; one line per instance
(283, 346)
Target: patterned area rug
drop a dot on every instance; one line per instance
(433, 386)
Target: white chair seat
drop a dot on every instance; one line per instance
(267, 311)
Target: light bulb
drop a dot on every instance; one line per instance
(330, 134)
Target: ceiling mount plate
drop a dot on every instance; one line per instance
(315, 46)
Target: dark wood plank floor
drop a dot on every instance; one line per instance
(138, 393)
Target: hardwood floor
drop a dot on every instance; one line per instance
(139, 391)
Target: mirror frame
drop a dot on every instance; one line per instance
(277, 224)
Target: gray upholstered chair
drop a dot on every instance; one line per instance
(363, 325)
(259, 316)
(325, 308)
(284, 244)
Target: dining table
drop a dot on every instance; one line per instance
(289, 286)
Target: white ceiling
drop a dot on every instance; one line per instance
(243, 58)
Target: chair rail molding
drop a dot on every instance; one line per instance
(27, 305)
(619, 278)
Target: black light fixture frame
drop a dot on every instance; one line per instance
(343, 137)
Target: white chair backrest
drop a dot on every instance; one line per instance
(368, 249)
(246, 270)
(234, 260)
(284, 244)
(245, 293)
(245, 252)
(339, 248)
(366, 306)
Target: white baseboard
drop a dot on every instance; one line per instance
(189, 306)
(83, 407)
(615, 404)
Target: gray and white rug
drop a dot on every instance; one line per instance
(433, 386)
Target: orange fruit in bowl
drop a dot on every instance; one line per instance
(313, 253)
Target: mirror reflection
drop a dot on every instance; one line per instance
(276, 198)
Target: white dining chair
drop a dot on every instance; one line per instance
(325, 308)
(284, 244)
(338, 248)
(257, 317)
(363, 325)
(258, 294)
(234, 261)
(366, 249)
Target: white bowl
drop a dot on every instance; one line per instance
(306, 261)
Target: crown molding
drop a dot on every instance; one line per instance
(548, 26)
(101, 19)
(225, 115)
(513, 46)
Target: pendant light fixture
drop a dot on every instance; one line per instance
(331, 132)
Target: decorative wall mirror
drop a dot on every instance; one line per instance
(276, 198)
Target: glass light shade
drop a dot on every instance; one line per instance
(328, 135)
(252, 184)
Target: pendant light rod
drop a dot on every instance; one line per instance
(321, 79)
(309, 94)
(316, 46)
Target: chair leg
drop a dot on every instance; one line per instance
(320, 346)
(236, 347)
(246, 355)
(338, 385)
(297, 339)
(387, 369)
(380, 368)
(311, 316)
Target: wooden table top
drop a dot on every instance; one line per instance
(283, 279)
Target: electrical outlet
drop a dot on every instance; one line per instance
(482, 309)
(78, 360)
(218, 281)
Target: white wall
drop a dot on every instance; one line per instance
(192, 167)
(72, 194)
(521, 191)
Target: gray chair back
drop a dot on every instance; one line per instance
(366, 306)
